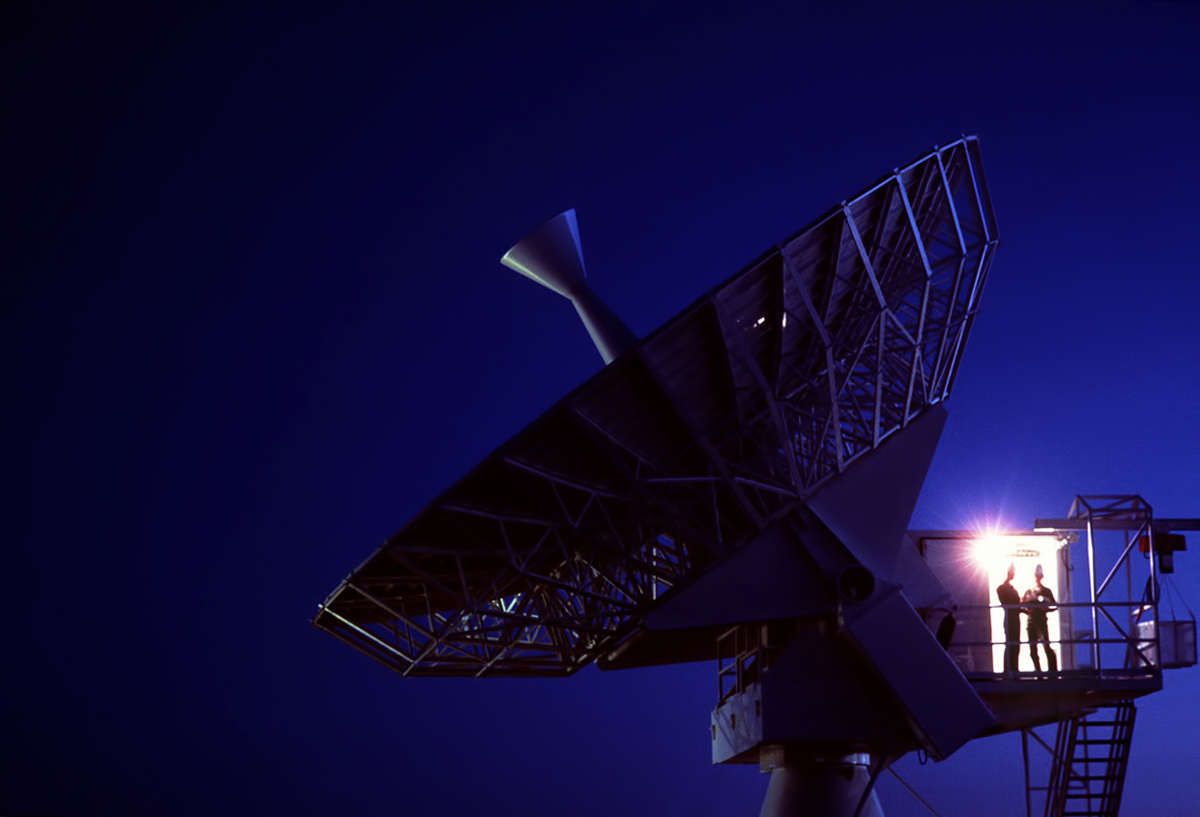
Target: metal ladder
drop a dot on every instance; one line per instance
(1091, 755)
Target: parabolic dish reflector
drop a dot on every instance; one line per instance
(550, 552)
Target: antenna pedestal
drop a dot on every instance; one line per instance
(814, 786)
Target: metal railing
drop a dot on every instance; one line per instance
(1127, 644)
(745, 652)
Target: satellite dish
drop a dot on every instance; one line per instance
(552, 256)
(748, 468)
(737, 487)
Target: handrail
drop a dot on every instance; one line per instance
(1126, 646)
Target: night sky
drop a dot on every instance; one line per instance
(254, 320)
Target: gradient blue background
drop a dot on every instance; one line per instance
(253, 320)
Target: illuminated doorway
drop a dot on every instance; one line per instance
(1024, 552)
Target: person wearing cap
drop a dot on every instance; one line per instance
(1039, 600)
(1011, 599)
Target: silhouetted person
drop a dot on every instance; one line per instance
(1011, 600)
(1039, 601)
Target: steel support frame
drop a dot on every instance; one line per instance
(1133, 516)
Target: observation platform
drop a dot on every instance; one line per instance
(1098, 601)
(1111, 632)
(1027, 700)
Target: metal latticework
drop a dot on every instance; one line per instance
(546, 555)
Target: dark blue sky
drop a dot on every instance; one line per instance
(253, 320)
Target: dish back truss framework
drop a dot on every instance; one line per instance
(548, 554)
